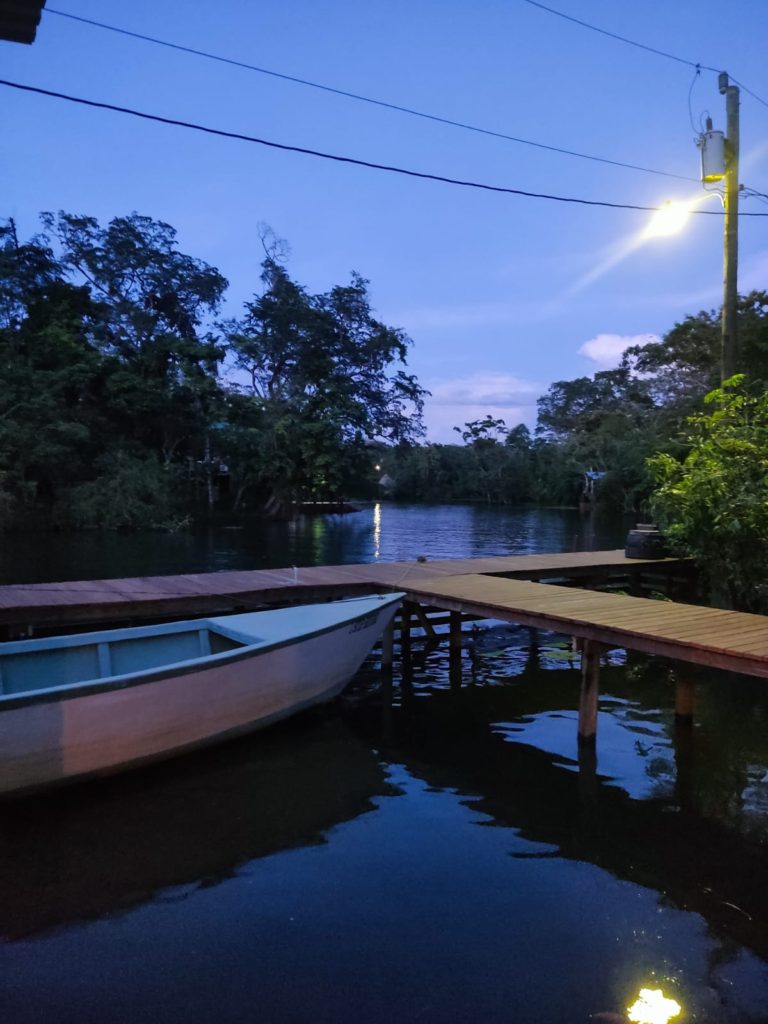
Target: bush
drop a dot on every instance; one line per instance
(131, 492)
(713, 505)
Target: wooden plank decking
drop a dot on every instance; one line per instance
(735, 641)
(94, 601)
(497, 587)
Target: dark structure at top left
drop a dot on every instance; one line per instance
(19, 19)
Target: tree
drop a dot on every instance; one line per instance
(483, 433)
(713, 503)
(320, 370)
(51, 379)
(158, 305)
(606, 422)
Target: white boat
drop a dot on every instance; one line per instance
(94, 703)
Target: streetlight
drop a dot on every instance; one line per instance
(670, 218)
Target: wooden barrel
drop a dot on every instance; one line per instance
(645, 543)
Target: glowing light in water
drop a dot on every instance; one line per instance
(653, 1007)
(376, 530)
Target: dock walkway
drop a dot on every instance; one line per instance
(510, 588)
(735, 641)
(99, 601)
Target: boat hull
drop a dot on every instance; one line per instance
(44, 743)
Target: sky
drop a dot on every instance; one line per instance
(501, 294)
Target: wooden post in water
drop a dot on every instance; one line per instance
(534, 652)
(455, 628)
(426, 625)
(405, 632)
(387, 650)
(406, 663)
(454, 651)
(685, 699)
(590, 691)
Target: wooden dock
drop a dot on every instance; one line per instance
(735, 641)
(525, 589)
(94, 602)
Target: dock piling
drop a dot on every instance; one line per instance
(685, 699)
(590, 691)
(387, 650)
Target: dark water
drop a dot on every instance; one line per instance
(384, 532)
(440, 857)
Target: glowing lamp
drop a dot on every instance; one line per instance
(668, 219)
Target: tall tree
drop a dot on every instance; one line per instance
(51, 378)
(159, 304)
(326, 377)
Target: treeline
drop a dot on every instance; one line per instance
(611, 423)
(127, 401)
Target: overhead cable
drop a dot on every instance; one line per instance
(336, 157)
(621, 39)
(363, 99)
(641, 46)
(749, 91)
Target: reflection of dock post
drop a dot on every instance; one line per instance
(590, 691)
(683, 739)
(685, 776)
(588, 784)
(454, 650)
(534, 652)
(387, 666)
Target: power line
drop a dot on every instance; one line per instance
(340, 159)
(749, 92)
(363, 99)
(621, 39)
(641, 46)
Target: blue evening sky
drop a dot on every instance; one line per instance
(501, 294)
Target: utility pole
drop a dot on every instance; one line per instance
(730, 344)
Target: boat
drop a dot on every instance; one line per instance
(73, 707)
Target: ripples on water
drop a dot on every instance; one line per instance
(440, 857)
(384, 532)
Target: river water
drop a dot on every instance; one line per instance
(440, 856)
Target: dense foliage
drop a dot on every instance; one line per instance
(126, 401)
(610, 423)
(713, 503)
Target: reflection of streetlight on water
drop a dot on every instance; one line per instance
(653, 1007)
(377, 530)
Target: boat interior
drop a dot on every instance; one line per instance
(45, 664)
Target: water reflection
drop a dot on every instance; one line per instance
(661, 807)
(377, 531)
(101, 849)
(383, 531)
(653, 1007)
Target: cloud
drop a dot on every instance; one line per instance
(606, 349)
(500, 389)
(462, 400)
